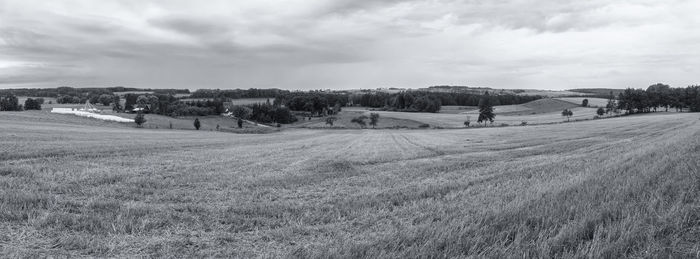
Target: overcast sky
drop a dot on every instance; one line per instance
(319, 44)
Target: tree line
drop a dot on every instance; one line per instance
(84, 93)
(313, 102)
(238, 93)
(659, 96)
(425, 101)
(10, 102)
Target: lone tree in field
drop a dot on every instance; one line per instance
(360, 120)
(139, 119)
(485, 109)
(467, 122)
(330, 120)
(584, 103)
(600, 111)
(568, 113)
(197, 124)
(373, 119)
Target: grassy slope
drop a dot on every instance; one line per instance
(592, 102)
(618, 187)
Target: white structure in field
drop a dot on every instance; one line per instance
(89, 108)
(84, 113)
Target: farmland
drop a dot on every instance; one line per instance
(618, 187)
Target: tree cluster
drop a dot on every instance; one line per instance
(33, 104)
(426, 101)
(268, 113)
(9, 102)
(314, 102)
(165, 104)
(659, 96)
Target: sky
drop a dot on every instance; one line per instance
(349, 44)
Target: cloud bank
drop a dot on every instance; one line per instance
(319, 44)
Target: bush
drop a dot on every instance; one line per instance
(140, 119)
(373, 119)
(424, 125)
(360, 120)
(600, 111)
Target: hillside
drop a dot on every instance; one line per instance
(620, 187)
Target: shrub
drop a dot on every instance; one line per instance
(424, 125)
(330, 120)
(360, 120)
(197, 124)
(140, 119)
(373, 119)
(600, 111)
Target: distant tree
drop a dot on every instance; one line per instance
(240, 123)
(242, 112)
(584, 103)
(105, 99)
(141, 101)
(116, 103)
(217, 127)
(600, 111)
(567, 113)
(467, 122)
(31, 104)
(330, 120)
(170, 124)
(485, 109)
(610, 106)
(197, 125)
(39, 100)
(373, 119)
(140, 119)
(360, 120)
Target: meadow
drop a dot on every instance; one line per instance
(618, 187)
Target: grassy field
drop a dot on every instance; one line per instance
(592, 102)
(620, 187)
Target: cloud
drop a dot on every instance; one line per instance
(307, 44)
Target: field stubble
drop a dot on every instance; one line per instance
(607, 188)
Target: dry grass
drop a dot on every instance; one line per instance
(592, 102)
(622, 187)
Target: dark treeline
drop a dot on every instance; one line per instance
(84, 93)
(315, 102)
(166, 104)
(596, 92)
(422, 101)
(237, 93)
(659, 96)
(270, 113)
